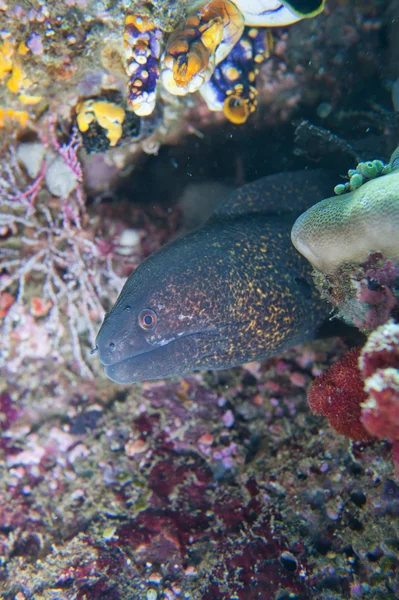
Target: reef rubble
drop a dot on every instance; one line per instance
(217, 486)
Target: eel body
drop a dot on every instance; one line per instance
(232, 291)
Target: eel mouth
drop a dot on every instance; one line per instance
(174, 358)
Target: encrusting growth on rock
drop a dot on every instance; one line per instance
(359, 394)
(347, 228)
(337, 395)
(352, 241)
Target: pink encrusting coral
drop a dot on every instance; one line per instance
(379, 362)
(381, 350)
(375, 293)
(359, 394)
(380, 413)
(364, 295)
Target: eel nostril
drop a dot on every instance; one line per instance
(112, 346)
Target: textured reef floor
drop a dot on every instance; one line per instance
(216, 486)
(221, 485)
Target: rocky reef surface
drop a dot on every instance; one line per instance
(216, 486)
(56, 57)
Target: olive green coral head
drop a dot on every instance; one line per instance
(347, 228)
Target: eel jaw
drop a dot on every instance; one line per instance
(177, 357)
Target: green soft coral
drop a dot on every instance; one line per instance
(348, 227)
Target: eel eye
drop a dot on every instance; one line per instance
(147, 319)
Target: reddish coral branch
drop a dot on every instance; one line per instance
(338, 393)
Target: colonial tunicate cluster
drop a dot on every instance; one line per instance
(216, 49)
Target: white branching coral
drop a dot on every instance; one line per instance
(54, 272)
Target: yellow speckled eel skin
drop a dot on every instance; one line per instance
(232, 291)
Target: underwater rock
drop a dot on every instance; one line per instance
(352, 241)
(316, 143)
(150, 490)
(198, 201)
(348, 228)
(31, 155)
(118, 50)
(60, 178)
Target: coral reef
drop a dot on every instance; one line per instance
(337, 394)
(379, 363)
(222, 485)
(352, 242)
(56, 58)
(359, 394)
(184, 490)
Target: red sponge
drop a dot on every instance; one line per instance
(338, 393)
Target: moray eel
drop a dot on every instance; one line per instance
(232, 291)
